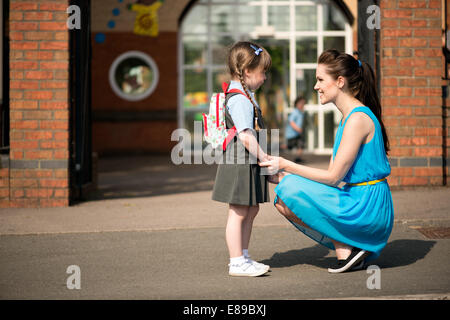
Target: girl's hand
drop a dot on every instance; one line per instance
(273, 179)
(276, 178)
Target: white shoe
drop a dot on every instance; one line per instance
(246, 269)
(257, 264)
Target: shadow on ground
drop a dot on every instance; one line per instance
(147, 176)
(153, 175)
(397, 253)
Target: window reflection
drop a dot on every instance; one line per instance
(219, 48)
(195, 51)
(249, 17)
(221, 18)
(306, 79)
(195, 88)
(306, 49)
(134, 80)
(312, 127)
(279, 17)
(306, 18)
(219, 77)
(333, 19)
(273, 96)
(337, 43)
(196, 20)
(329, 126)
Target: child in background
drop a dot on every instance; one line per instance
(294, 129)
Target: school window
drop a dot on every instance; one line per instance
(294, 32)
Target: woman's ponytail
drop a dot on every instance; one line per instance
(361, 82)
(368, 95)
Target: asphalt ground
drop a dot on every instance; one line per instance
(152, 232)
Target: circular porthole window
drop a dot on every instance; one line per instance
(133, 75)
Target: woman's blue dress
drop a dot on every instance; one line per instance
(360, 216)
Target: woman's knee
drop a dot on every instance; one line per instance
(285, 211)
(282, 208)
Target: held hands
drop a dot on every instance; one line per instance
(276, 178)
(273, 164)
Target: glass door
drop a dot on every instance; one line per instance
(294, 32)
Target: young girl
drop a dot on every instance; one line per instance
(355, 220)
(239, 182)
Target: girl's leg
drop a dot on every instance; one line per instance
(343, 251)
(248, 224)
(234, 229)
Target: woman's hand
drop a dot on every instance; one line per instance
(273, 164)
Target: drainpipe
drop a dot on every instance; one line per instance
(445, 92)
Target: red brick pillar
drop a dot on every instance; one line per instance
(411, 63)
(39, 108)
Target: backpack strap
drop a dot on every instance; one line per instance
(228, 94)
(231, 132)
(225, 87)
(256, 111)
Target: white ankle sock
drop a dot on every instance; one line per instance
(237, 260)
(245, 252)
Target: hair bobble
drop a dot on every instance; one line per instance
(359, 63)
(257, 50)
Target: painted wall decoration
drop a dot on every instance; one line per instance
(146, 23)
(101, 37)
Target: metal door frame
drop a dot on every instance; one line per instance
(80, 124)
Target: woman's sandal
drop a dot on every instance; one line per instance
(354, 261)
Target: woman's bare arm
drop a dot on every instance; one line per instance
(358, 127)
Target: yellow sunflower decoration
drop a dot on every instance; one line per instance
(146, 23)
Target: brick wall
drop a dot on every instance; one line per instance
(36, 171)
(411, 64)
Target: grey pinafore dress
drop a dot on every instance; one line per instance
(238, 180)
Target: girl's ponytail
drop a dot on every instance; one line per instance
(360, 80)
(244, 86)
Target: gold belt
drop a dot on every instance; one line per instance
(366, 183)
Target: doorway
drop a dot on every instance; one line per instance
(294, 32)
